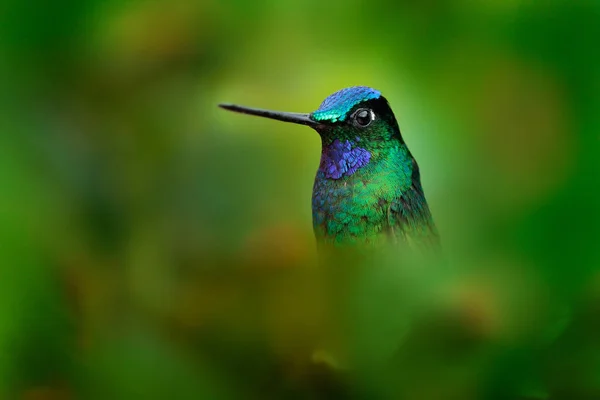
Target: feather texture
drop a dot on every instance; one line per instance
(368, 185)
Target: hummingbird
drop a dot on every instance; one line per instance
(367, 188)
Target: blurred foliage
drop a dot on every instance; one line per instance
(154, 246)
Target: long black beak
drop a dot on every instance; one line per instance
(296, 118)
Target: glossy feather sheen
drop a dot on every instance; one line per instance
(382, 198)
(356, 206)
(336, 106)
(368, 186)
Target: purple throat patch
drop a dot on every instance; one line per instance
(342, 159)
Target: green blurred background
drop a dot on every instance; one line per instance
(153, 246)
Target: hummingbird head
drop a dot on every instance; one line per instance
(356, 125)
(357, 114)
(356, 111)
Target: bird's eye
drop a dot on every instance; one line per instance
(363, 117)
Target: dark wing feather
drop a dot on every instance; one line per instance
(410, 219)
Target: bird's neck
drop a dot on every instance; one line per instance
(355, 186)
(343, 158)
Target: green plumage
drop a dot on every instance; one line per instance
(383, 199)
(368, 187)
